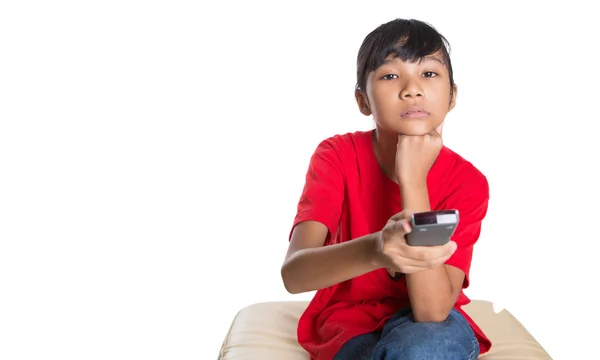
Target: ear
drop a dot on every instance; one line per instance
(453, 98)
(363, 102)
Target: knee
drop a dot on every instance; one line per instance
(431, 340)
(419, 341)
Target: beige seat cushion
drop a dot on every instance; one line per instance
(267, 331)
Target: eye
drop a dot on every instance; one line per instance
(429, 74)
(389, 77)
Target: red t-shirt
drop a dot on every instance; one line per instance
(347, 191)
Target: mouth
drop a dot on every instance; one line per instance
(415, 114)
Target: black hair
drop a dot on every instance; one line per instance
(410, 40)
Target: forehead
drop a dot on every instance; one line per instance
(392, 59)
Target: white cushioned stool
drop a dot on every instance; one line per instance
(267, 331)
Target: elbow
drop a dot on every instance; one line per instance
(290, 285)
(291, 288)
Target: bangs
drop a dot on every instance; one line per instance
(409, 40)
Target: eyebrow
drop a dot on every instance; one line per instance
(424, 59)
(433, 58)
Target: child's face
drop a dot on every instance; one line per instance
(409, 98)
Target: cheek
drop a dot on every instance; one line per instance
(441, 90)
(384, 98)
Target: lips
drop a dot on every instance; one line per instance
(415, 113)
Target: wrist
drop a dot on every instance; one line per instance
(374, 250)
(415, 196)
(414, 185)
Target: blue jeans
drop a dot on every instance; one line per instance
(403, 339)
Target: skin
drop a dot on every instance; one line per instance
(406, 147)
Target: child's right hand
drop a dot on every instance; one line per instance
(394, 254)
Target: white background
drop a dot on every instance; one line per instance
(152, 155)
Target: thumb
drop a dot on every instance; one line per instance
(402, 226)
(405, 214)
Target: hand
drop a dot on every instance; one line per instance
(415, 156)
(394, 254)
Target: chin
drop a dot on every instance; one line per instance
(413, 130)
(407, 127)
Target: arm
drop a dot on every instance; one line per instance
(310, 266)
(432, 292)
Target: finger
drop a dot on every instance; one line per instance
(445, 252)
(409, 266)
(453, 247)
(420, 264)
(402, 261)
(396, 229)
(439, 129)
(402, 226)
(429, 253)
(405, 214)
(444, 255)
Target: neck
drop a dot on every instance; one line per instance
(385, 146)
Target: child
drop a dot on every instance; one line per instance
(377, 297)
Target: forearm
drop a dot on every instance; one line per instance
(430, 291)
(318, 268)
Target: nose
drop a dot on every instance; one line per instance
(411, 90)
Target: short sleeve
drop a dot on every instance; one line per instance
(323, 193)
(471, 201)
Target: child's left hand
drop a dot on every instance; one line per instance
(415, 155)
